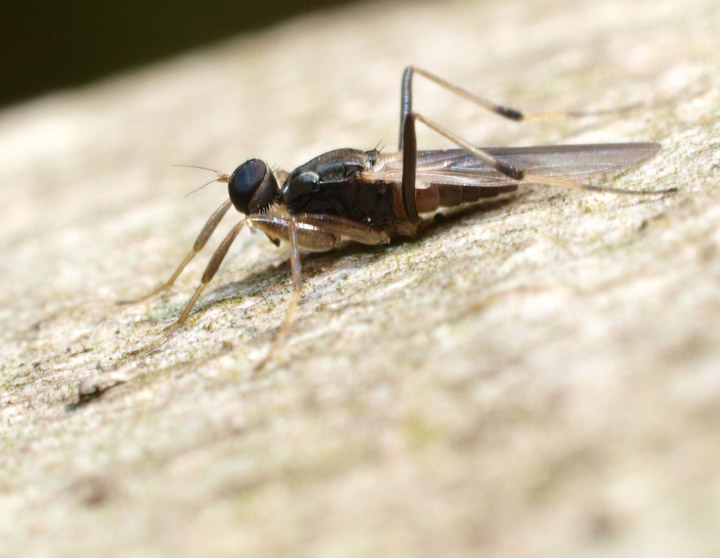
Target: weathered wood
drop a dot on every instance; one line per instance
(537, 379)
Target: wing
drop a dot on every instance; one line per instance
(457, 167)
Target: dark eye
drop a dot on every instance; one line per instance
(245, 181)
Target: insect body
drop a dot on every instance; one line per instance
(348, 195)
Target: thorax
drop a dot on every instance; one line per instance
(331, 184)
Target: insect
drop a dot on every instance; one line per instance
(368, 197)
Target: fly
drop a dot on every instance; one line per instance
(368, 197)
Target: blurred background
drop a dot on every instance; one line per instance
(52, 45)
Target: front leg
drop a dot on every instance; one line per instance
(212, 267)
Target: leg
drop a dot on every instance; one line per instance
(313, 232)
(515, 173)
(343, 228)
(201, 240)
(210, 271)
(318, 233)
(505, 112)
(409, 155)
(295, 269)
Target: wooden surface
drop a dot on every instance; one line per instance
(538, 379)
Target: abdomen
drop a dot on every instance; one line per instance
(436, 196)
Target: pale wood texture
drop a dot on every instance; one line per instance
(538, 379)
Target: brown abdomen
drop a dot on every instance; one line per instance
(436, 196)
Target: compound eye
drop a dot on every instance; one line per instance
(245, 181)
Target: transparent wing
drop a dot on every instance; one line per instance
(458, 167)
